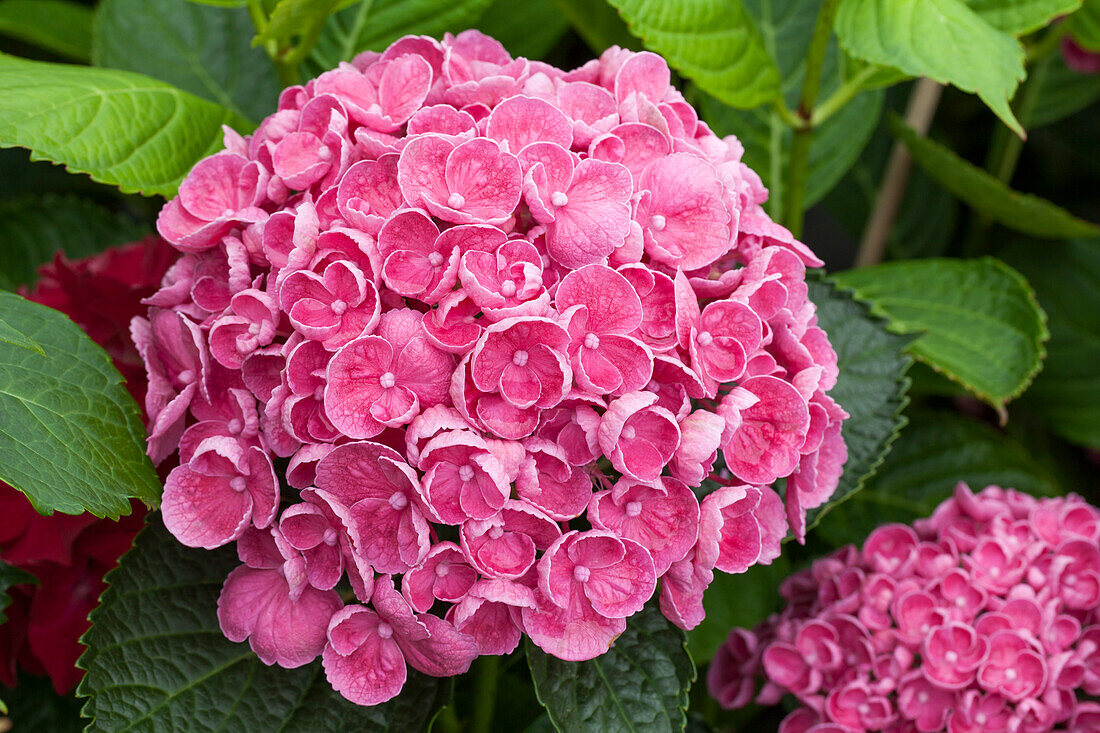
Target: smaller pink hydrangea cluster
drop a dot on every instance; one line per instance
(983, 618)
(455, 340)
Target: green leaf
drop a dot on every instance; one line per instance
(9, 576)
(120, 128)
(1063, 92)
(157, 659)
(1067, 281)
(71, 437)
(9, 334)
(715, 43)
(940, 449)
(34, 228)
(200, 49)
(1020, 17)
(598, 24)
(60, 26)
(1084, 25)
(986, 194)
(640, 684)
(941, 39)
(980, 323)
(872, 386)
(528, 28)
(742, 600)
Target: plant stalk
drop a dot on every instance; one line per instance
(798, 165)
(485, 693)
(923, 101)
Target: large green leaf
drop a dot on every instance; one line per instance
(1020, 17)
(9, 576)
(980, 323)
(60, 26)
(1067, 281)
(200, 49)
(872, 386)
(640, 684)
(120, 128)
(715, 43)
(940, 449)
(597, 23)
(941, 39)
(1084, 25)
(71, 437)
(157, 660)
(33, 228)
(986, 194)
(528, 28)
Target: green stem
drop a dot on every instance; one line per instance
(347, 48)
(447, 720)
(798, 167)
(485, 693)
(842, 95)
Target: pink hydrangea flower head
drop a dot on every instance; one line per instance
(934, 627)
(444, 308)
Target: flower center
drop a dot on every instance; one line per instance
(960, 601)
(385, 630)
(495, 533)
(1010, 674)
(922, 697)
(338, 307)
(435, 259)
(442, 569)
(329, 537)
(235, 426)
(398, 501)
(324, 154)
(1071, 579)
(628, 433)
(456, 201)
(520, 358)
(657, 222)
(863, 708)
(466, 472)
(387, 380)
(238, 484)
(591, 341)
(319, 393)
(633, 508)
(559, 199)
(227, 213)
(254, 329)
(507, 288)
(186, 376)
(704, 338)
(981, 718)
(581, 574)
(951, 657)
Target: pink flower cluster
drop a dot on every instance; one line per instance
(485, 325)
(983, 618)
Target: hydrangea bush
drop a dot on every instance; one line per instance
(984, 617)
(472, 332)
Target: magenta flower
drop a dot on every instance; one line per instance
(589, 582)
(600, 307)
(505, 283)
(385, 379)
(443, 575)
(523, 359)
(767, 422)
(366, 650)
(662, 517)
(474, 182)
(639, 437)
(463, 479)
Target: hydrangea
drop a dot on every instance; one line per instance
(984, 617)
(451, 353)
